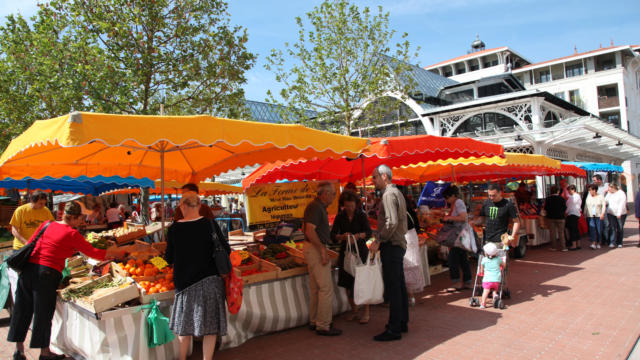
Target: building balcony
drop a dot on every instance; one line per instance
(605, 102)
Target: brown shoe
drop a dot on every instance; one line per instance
(331, 332)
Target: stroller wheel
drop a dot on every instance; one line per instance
(501, 304)
(473, 302)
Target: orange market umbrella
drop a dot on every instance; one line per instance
(392, 151)
(182, 148)
(206, 188)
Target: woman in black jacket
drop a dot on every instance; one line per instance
(555, 207)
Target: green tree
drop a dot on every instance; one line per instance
(343, 61)
(122, 56)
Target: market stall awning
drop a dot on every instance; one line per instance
(188, 148)
(589, 166)
(79, 185)
(206, 188)
(392, 151)
(513, 165)
(569, 170)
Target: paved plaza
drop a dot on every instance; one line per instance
(565, 305)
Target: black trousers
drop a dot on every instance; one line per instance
(395, 288)
(458, 258)
(572, 226)
(35, 297)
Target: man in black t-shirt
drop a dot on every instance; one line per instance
(497, 213)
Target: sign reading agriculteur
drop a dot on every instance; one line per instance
(274, 202)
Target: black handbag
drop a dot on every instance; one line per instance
(18, 260)
(220, 252)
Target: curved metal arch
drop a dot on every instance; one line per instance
(496, 111)
(412, 104)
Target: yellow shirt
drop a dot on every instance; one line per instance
(27, 220)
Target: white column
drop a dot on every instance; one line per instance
(536, 114)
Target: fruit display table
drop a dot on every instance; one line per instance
(122, 333)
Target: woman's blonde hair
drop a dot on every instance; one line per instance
(190, 199)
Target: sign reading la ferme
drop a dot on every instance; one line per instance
(275, 202)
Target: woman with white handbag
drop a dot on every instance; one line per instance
(351, 226)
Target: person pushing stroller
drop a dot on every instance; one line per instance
(491, 272)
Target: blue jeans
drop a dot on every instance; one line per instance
(604, 235)
(616, 229)
(595, 229)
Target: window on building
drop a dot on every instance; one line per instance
(544, 76)
(612, 118)
(550, 119)
(474, 66)
(574, 98)
(574, 70)
(605, 62)
(560, 95)
(460, 69)
(638, 79)
(608, 96)
(491, 63)
(493, 89)
(485, 122)
(447, 72)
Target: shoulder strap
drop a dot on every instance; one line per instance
(41, 231)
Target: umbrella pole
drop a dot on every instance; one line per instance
(162, 193)
(364, 189)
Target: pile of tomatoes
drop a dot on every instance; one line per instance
(161, 284)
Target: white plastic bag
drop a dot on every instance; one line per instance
(467, 239)
(369, 286)
(351, 258)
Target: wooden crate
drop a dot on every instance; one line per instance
(271, 274)
(105, 299)
(300, 270)
(163, 296)
(160, 246)
(130, 237)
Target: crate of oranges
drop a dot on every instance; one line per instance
(138, 269)
(160, 289)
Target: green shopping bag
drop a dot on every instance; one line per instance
(66, 272)
(158, 332)
(5, 287)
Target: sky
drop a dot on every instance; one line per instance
(538, 30)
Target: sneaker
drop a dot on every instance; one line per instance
(482, 307)
(592, 246)
(565, 249)
(598, 246)
(619, 246)
(611, 246)
(552, 249)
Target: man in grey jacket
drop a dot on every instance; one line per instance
(392, 226)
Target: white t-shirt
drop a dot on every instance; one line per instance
(603, 189)
(574, 202)
(458, 208)
(617, 203)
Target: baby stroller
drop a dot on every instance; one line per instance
(503, 292)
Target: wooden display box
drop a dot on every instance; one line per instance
(105, 299)
(131, 236)
(299, 270)
(163, 296)
(333, 255)
(270, 274)
(160, 246)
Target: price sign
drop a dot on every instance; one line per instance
(158, 262)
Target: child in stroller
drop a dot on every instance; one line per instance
(491, 270)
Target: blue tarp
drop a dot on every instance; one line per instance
(82, 184)
(595, 166)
